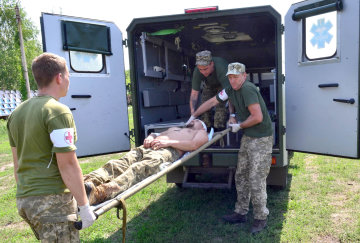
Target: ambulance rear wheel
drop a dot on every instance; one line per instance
(179, 185)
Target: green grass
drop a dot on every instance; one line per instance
(5, 153)
(320, 204)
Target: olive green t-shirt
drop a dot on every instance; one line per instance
(39, 128)
(216, 79)
(247, 95)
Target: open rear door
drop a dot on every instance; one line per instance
(97, 93)
(322, 77)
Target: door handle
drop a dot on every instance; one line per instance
(72, 109)
(328, 85)
(349, 101)
(80, 96)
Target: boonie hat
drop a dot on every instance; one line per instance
(203, 58)
(235, 68)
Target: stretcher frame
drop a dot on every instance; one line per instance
(119, 199)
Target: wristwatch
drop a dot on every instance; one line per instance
(232, 115)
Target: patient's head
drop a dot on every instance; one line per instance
(197, 124)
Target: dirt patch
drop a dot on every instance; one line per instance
(327, 239)
(338, 200)
(4, 167)
(343, 215)
(309, 162)
(7, 182)
(353, 186)
(308, 159)
(311, 169)
(315, 177)
(84, 161)
(20, 225)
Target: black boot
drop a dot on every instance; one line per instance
(89, 186)
(258, 225)
(234, 218)
(92, 193)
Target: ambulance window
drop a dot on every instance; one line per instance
(86, 62)
(320, 36)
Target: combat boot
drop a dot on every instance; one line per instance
(94, 194)
(89, 187)
(234, 218)
(258, 225)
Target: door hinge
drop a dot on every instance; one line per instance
(282, 29)
(125, 42)
(282, 78)
(132, 133)
(283, 130)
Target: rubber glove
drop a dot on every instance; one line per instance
(87, 216)
(235, 127)
(190, 120)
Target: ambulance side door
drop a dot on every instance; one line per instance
(322, 77)
(97, 92)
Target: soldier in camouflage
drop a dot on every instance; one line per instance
(254, 158)
(117, 176)
(210, 73)
(42, 137)
(56, 223)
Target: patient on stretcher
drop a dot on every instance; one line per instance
(117, 176)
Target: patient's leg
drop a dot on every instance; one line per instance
(137, 172)
(113, 168)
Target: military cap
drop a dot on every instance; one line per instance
(235, 68)
(203, 58)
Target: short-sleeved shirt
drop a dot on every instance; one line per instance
(39, 128)
(247, 95)
(216, 79)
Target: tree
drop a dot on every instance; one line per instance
(11, 73)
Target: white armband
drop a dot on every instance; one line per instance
(62, 138)
(222, 95)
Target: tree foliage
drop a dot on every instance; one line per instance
(11, 73)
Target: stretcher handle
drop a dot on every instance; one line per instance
(78, 224)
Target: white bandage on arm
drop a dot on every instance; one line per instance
(62, 138)
(223, 95)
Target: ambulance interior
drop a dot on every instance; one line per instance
(164, 58)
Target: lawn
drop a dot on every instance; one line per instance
(320, 204)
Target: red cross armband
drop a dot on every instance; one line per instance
(62, 138)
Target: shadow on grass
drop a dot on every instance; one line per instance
(193, 215)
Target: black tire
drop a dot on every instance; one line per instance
(179, 185)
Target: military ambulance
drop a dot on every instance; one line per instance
(321, 86)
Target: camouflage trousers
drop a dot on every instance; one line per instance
(51, 217)
(220, 116)
(117, 176)
(250, 178)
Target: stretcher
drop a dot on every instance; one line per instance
(119, 201)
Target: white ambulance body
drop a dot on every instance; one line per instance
(321, 88)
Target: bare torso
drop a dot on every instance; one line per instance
(177, 133)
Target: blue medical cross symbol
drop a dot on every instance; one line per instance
(321, 33)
